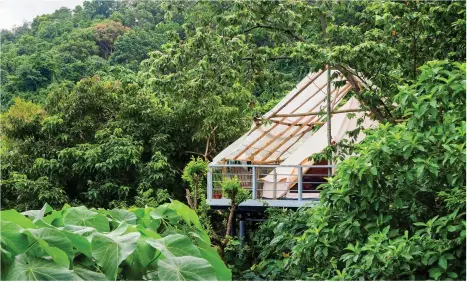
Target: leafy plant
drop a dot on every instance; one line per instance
(233, 191)
(395, 209)
(76, 243)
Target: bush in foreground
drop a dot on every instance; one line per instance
(76, 243)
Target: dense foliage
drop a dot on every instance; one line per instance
(76, 243)
(105, 104)
(126, 92)
(394, 211)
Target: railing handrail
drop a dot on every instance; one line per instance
(271, 166)
(254, 175)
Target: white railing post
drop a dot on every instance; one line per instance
(300, 183)
(253, 182)
(209, 178)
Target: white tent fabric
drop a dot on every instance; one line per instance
(274, 142)
(290, 140)
(313, 143)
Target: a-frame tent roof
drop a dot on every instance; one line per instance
(291, 122)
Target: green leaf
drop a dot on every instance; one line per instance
(452, 228)
(139, 259)
(163, 212)
(79, 242)
(435, 273)
(83, 274)
(83, 217)
(52, 237)
(38, 214)
(26, 268)
(443, 262)
(50, 242)
(175, 245)
(123, 216)
(223, 273)
(16, 217)
(110, 250)
(185, 268)
(188, 215)
(12, 239)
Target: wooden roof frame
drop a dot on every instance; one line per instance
(305, 120)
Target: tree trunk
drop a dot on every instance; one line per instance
(195, 184)
(188, 198)
(229, 221)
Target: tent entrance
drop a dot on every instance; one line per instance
(311, 179)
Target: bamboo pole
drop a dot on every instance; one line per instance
(283, 119)
(339, 97)
(321, 113)
(293, 133)
(298, 124)
(287, 129)
(298, 92)
(312, 80)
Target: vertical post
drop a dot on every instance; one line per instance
(300, 183)
(253, 182)
(233, 231)
(328, 102)
(242, 230)
(274, 185)
(210, 186)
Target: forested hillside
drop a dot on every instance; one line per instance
(105, 104)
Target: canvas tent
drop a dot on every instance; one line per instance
(287, 134)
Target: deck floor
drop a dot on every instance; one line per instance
(265, 203)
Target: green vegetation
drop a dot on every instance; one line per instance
(76, 243)
(106, 106)
(394, 211)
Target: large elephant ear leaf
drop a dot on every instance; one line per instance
(26, 268)
(121, 216)
(83, 217)
(139, 259)
(110, 251)
(83, 274)
(53, 237)
(16, 217)
(12, 238)
(175, 245)
(185, 268)
(223, 273)
(36, 215)
(188, 215)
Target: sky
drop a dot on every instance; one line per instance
(15, 12)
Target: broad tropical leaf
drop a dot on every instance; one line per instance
(175, 245)
(123, 216)
(185, 268)
(26, 268)
(110, 251)
(16, 217)
(83, 217)
(223, 273)
(12, 238)
(83, 274)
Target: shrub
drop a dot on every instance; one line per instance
(395, 210)
(76, 243)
